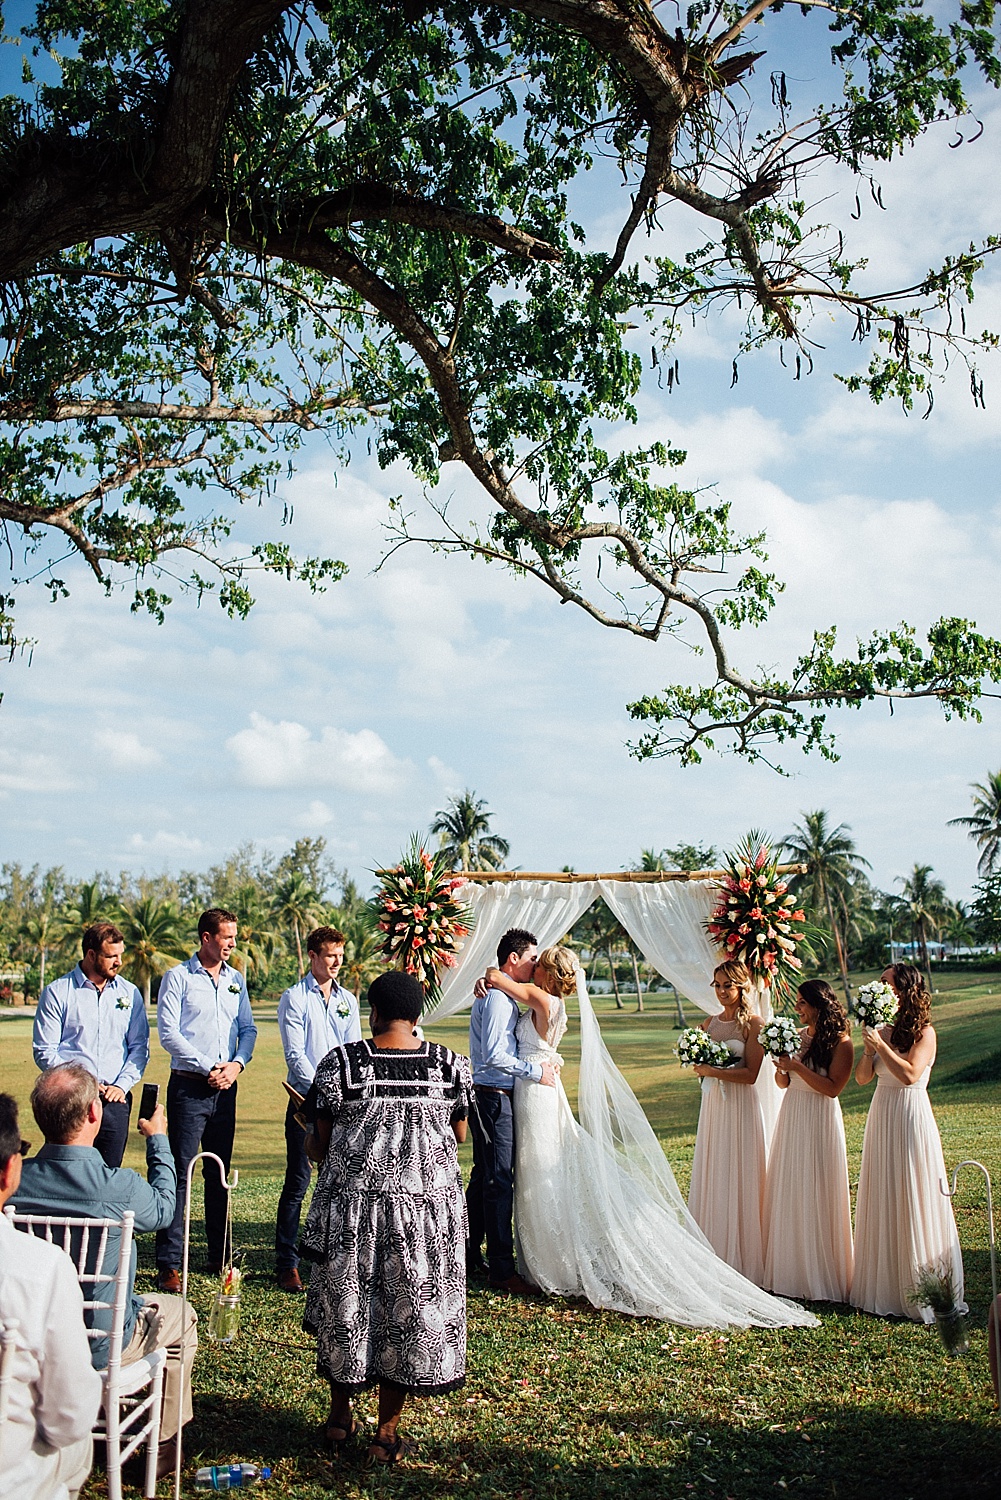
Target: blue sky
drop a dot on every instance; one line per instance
(355, 714)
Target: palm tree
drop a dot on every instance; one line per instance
(297, 907)
(87, 905)
(958, 929)
(464, 829)
(155, 939)
(984, 822)
(832, 865)
(362, 947)
(258, 939)
(927, 908)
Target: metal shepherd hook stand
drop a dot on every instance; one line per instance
(950, 1192)
(229, 1183)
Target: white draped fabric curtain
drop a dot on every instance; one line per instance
(664, 918)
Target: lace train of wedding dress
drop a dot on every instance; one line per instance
(598, 1214)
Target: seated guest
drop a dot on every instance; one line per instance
(54, 1395)
(387, 1226)
(69, 1177)
(313, 1016)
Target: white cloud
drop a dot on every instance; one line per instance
(285, 754)
(26, 771)
(316, 815)
(163, 842)
(124, 750)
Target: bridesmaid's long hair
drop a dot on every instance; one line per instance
(914, 1008)
(832, 1023)
(739, 974)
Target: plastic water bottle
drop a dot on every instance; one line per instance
(230, 1476)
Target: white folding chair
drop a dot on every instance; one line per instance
(127, 1419)
(8, 1348)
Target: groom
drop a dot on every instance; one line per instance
(493, 1052)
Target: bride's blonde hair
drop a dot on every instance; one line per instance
(738, 974)
(561, 965)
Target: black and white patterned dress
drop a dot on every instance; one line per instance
(387, 1224)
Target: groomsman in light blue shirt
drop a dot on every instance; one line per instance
(96, 1018)
(206, 1024)
(314, 1016)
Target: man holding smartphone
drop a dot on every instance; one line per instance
(94, 1017)
(206, 1024)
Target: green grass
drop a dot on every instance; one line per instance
(567, 1403)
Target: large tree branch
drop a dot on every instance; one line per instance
(69, 189)
(261, 417)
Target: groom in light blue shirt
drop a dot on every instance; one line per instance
(314, 1016)
(493, 1052)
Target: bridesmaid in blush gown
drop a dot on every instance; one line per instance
(903, 1221)
(808, 1216)
(728, 1170)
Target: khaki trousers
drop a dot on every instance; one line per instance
(159, 1326)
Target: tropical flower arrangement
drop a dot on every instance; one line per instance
(875, 1004)
(756, 920)
(423, 922)
(780, 1037)
(696, 1046)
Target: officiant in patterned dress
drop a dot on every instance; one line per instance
(386, 1229)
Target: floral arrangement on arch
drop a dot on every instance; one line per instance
(756, 920)
(423, 923)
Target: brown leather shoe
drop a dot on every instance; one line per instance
(289, 1280)
(514, 1286)
(167, 1280)
(166, 1456)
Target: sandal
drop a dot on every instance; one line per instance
(336, 1444)
(394, 1450)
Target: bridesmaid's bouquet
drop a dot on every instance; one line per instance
(875, 1004)
(756, 920)
(697, 1046)
(780, 1037)
(423, 922)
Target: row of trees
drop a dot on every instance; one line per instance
(278, 898)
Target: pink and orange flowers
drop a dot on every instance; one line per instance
(755, 920)
(424, 924)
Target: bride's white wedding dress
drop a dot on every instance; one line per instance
(597, 1212)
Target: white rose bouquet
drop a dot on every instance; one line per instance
(696, 1046)
(875, 1004)
(780, 1037)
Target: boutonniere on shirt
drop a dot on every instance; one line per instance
(122, 1004)
(343, 1008)
(234, 989)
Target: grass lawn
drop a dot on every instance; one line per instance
(567, 1403)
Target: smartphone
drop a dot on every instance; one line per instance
(150, 1099)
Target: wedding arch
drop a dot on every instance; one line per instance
(664, 912)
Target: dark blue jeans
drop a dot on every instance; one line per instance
(490, 1194)
(198, 1118)
(113, 1136)
(296, 1186)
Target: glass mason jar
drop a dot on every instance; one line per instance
(224, 1317)
(953, 1332)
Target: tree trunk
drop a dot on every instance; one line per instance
(42, 952)
(615, 981)
(681, 1008)
(298, 945)
(842, 965)
(147, 987)
(636, 977)
(923, 945)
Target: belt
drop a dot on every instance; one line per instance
(489, 1088)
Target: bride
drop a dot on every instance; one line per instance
(597, 1211)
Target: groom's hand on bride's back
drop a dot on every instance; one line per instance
(549, 1074)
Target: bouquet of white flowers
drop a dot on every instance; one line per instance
(697, 1046)
(780, 1037)
(874, 1005)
